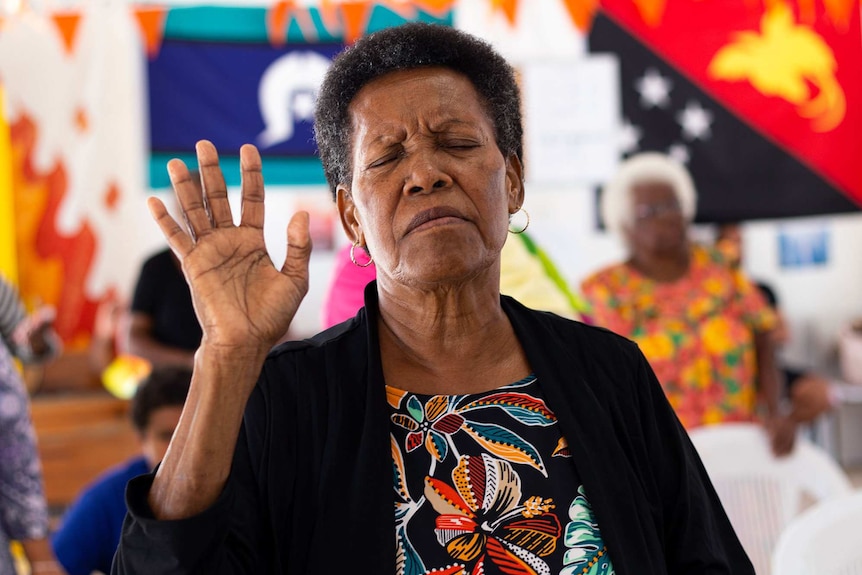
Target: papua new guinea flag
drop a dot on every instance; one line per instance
(761, 100)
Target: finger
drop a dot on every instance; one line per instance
(177, 238)
(190, 198)
(298, 248)
(252, 187)
(213, 184)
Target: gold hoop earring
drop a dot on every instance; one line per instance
(353, 256)
(522, 229)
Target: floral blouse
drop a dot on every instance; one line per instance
(485, 484)
(697, 332)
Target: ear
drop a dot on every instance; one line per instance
(514, 182)
(347, 213)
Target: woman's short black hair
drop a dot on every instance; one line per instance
(164, 387)
(410, 46)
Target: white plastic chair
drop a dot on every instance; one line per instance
(826, 540)
(761, 493)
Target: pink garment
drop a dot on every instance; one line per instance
(347, 288)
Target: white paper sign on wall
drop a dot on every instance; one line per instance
(572, 118)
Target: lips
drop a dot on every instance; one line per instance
(432, 214)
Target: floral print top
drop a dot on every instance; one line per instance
(697, 332)
(484, 484)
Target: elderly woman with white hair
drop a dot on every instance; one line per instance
(701, 323)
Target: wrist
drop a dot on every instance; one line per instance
(776, 409)
(234, 355)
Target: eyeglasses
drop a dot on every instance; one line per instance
(652, 211)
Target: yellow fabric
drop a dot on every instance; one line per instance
(8, 259)
(523, 277)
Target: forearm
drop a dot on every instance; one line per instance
(101, 353)
(769, 379)
(198, 462)
(41, 558)
(156, 353)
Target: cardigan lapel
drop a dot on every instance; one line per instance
(561, 362)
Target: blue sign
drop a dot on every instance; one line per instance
(803, 246)
(233, 94)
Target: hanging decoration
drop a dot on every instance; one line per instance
(67, 26)
(151, 21)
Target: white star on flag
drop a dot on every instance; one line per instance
(680, 153)
(695, 121)
(629, 137)
(654, 89)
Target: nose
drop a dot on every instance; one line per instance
(426, 173)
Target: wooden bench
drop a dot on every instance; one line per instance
(80, 435)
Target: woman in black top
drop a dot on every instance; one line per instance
(445, 429)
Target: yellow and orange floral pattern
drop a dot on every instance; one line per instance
(697, 332)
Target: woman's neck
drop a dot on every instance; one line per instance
(663, 267)
(451, 339)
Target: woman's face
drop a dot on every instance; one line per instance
(658, 226)
(431, 192)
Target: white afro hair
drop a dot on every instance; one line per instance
(648, 167)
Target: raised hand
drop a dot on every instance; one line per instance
(241, 300)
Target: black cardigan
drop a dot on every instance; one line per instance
(317, 424)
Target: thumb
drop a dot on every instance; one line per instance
(298, 247)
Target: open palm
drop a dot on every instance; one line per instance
(240, 298)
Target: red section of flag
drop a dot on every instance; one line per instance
(797, 106)
(54, 265)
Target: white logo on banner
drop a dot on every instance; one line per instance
(288, 88)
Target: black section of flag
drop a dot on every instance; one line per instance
(739, 174)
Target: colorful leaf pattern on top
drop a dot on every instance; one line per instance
(587, 554)
(482, 496)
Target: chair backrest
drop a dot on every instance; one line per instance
(761, 493)
(825, 539)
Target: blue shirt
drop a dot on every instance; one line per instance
(90, 532)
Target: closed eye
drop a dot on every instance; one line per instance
(460, 145)
(383, 160)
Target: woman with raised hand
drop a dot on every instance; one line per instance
(445, 428)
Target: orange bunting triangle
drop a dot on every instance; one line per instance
(652, 11)
(355, 16)
(404, 9)
(581, 12)
(840, 12)
(438, 8)
(277, 21)
(508, 7)
(67, 25)
(151, 20)
(329, 16)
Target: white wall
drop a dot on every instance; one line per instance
(819, 300)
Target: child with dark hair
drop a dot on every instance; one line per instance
(90, 530)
